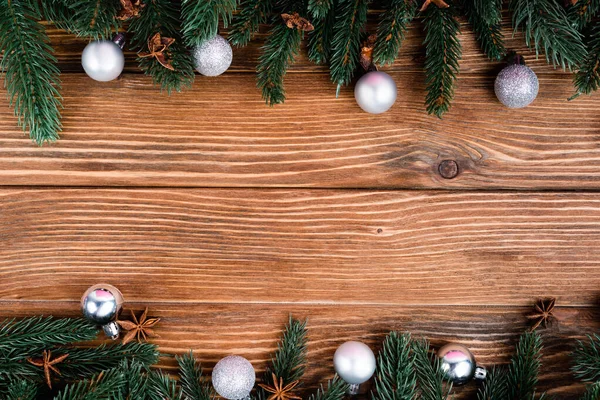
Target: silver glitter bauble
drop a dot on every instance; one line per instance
(213, 56)
(102, 304)
(516, 86)
(103, 60)
(375, 92)
(355, 363)
(458, 363)
(233, 377)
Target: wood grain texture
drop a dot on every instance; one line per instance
(299, 246)
(252, 330)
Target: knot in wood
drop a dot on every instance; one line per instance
(448, 169)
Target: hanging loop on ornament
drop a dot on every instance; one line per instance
(119, 40)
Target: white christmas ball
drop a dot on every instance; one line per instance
(213, 56)
(233, 377)
(375, 92)
(354, 362)
(516, 86)
(103, 60)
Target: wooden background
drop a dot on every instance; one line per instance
(224, 215)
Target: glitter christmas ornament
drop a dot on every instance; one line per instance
(103, 60)
(213, 56)
(233, 378)
(458, 363)
(102, 304)
(375, 92)
(355, 363)
(516, 86)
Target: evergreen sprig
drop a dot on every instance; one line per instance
(430, 376)
(396, 377)
(336, 390)
(201, 18)
(351, 16)
(31, 76)
(96, 19)
(136, 381)
(319, 8)
(582, 12)
(586, 359)
(246, 23)
(546, 25)
(524, 367)
(163, 387)
(101, 386)
(486, 18)
(587, 79)
(193, 384)
(59, 13)
(319, 39)
(162, 16)
(392, 29)
(592, 392)
(22, 390)
(495, 386)
(442, 54)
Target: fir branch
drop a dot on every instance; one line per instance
(136, 381)
(592, 392)
(351, 16)
(22, 390)
(162, 16)
(32, 335)
(251, 14)
(546, 24)
(494, 387)
(163, 387)
(525, 366)
(96, 19)
(282, 45)
(391, 30)
(201, 18)
(486, 18)
(31, 76)
(396, 375)
(100, 387)
(59, 13)
(193, 385)
(582, 12)
(587, 359)
(442, 51)
(430, 376)
(336, 390)
(319, 39)
(587, 79)
(319, 8)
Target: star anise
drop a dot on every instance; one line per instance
(543, 313)
(159, 48)
(139, 329)
(48, 364)
(439, 3)
(366, 52)
(130, 9)
(279, 391)
(295, 21)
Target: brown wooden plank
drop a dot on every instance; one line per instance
(221, 134)
(300, 246)
(252, 330)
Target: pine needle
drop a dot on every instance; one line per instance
(96, 19)
(486, 18)
(319, 40)
(396, 377)
(336, 390)
(163, 387)
(582, 12)
(193, 385)
(201, 19)
(392, 28)
(586, 358)
(495, 386)
(22, 390)
(525, 367)
(100, 387)
(246, 23)
(587, 79)
(430, 376)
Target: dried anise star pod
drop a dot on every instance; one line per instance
(48, 363)
(130, 9)
(366, 52)
(439, 3)
(280, 392)
(543, 313)
(158, 47)
(295, 21)
(139, 329)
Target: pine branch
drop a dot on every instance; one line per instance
(430, 376)
(251, 14)
(193, 385)
(96, 19)
(391, 30)
(582, 12)
(319, 40)
(525, 366)
(22, 390)
(486, 18)
(31, 76)
(59, 13)
(592, 392)
(163, 387)
(162, 16)
(587, 79)
(351, 16)
(100, 387)
(282, 45)
(442, 51)
(319, 9)
(136, 381)
(587, 359)
(201, 18)
(336, 390)
(494, 387)
(396, 375)
(546, 24)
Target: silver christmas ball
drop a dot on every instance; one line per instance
(103, 60)
(516, 86)
(213, 56)
(375, 92)
(458, 363)
(354, 362)
(102, 304)
(233, 377)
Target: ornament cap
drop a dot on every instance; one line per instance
(119, 40)
(353, 389)
(111, 330)
(480, 373)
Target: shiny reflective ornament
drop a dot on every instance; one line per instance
(516, 86)
(355, 363)
(213, 56)
(458, 363)
(102, 304)
(233, 378)
(103, 60)
(375, 92)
